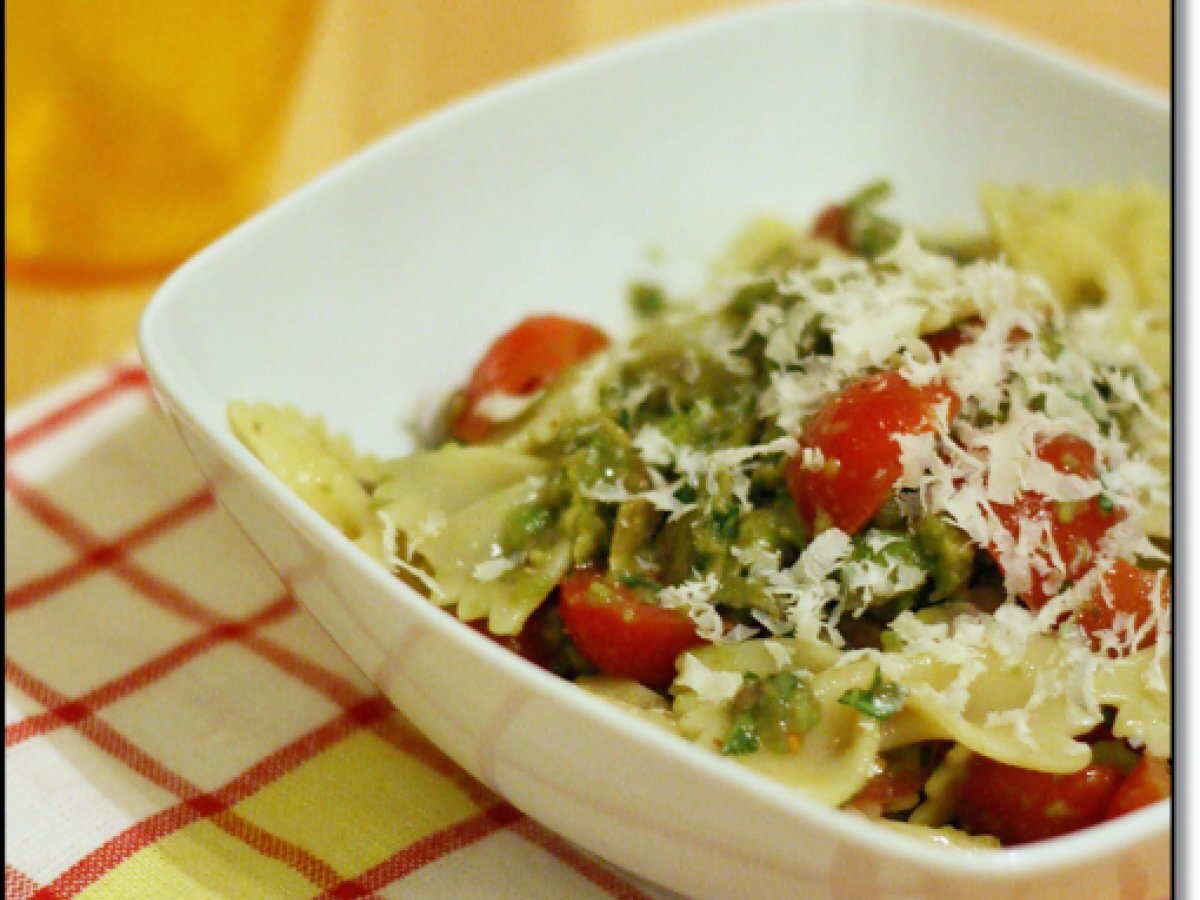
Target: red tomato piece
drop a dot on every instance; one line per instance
(855, 433)
(950, 339)
(1075, 528)
(1130, 590)
(620, 634)
(883, 789)
(1020, 805)
(1149, 782)
(899, 780)
(833, 225)
(521, 362)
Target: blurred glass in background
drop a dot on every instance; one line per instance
(138, 131)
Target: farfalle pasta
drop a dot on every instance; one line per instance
(881, 516)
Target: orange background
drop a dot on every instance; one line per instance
(374, 66)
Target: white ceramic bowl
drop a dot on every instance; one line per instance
(382, 282)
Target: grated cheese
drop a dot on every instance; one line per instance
(492, 569)
(695, 599)
(1016, 392)
(709, 685)
(501, 407)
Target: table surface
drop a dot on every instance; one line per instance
(374, 67)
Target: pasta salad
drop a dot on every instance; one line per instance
(882, 516)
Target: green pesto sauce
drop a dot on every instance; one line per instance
(696, 402)
(670, 380)
(770, 712)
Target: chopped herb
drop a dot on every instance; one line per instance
(750, 296)
(880, 701)
(726, 521)
(1105, 503)
(647, 300)
(743, 737)
(686, 494)
(633, 580)
(871, 234)
(1052, 341)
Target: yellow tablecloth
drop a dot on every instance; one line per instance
(176, 726)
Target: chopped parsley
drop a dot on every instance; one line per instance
(880, 701)
(647, 300)
(726, 521)
(743, 737)
(633, 580)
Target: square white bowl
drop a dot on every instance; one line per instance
(381, 283)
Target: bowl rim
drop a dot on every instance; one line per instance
(1048, 856)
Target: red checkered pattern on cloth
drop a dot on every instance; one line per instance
(175, 724)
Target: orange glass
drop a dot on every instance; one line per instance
(138, 131)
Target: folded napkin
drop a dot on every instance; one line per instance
(176, 726)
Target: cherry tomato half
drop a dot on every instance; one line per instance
(855, 434)
(620, 634)
(1020, 805)
(521, 362)
(1076, 528)
(1149, 782)
(1131, 591)
(903, 776)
